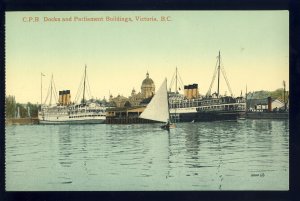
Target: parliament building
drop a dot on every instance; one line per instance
(136, 98)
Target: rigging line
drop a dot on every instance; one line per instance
(87, 89)
(172, 80)
(50, 101)
(89, 86)
(55, 94)
(48, 92)
(78, 90)
(80, 98)
(213, 80)
(86, 95)
(180, 80)
(79, 87)
(225, 77)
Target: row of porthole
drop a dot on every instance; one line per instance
(87, 116)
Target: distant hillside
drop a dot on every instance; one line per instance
(277, 94)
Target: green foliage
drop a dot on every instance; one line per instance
(12, 106)
(277, 94)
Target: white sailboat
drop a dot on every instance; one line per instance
(158, 108)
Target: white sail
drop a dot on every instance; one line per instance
(158, 108)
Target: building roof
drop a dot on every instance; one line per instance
(147, 81)
(146, 100)
(124, 109)
(252, 102)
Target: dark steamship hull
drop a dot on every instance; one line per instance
(208, 116)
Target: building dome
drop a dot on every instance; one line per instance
(148, 81)
(148, 87)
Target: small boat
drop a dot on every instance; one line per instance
(158, 108)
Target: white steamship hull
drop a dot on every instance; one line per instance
(75, 114)
(77, 121)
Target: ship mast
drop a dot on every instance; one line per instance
(284, 95)
(176, 91)
(168, 100)
(176, 77)
(41, 90)
(83, 99)
(219, 74)
(51, 90)
(246, 98)
(217, 70)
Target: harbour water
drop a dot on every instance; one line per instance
(243, 155)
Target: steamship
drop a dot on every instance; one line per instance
(66, 112)
(191, 107)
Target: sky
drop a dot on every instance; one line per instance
(254, 48)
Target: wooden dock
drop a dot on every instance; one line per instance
(267, 115)
(21, 121)
(127, 120)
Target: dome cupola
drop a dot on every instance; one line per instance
(148, 87)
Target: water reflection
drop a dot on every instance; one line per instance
(199, 156)
(65, 146)
(192, 141)
(262, 125)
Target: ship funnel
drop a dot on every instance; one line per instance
(186, 91)
(64, 97)
(195, 91)
(68, 97)
(191, 91)
(60, 99)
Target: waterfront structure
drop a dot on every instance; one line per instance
(118, 101)
(125, 115)
(265, 104)
(135, 99)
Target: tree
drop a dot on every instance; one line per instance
(34, 108)
(10, 106)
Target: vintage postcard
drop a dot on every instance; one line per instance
(147, 100)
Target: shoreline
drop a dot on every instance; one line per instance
(251, 115)
(21, 121)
